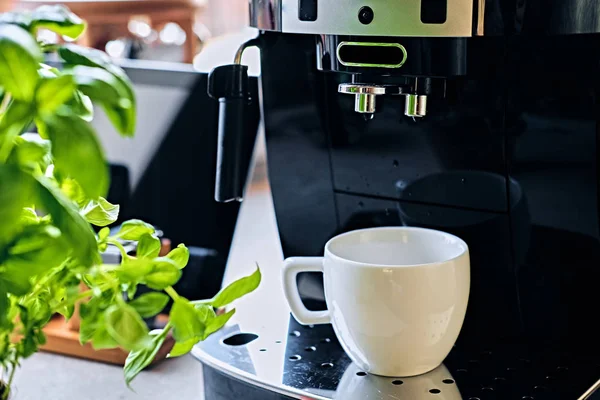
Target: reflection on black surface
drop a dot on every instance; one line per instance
(356, 386)
(503, 370)
(552, 152)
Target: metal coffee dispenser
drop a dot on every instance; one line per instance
(475, 117)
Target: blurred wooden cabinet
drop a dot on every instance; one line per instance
(108, 19)
(5, 5)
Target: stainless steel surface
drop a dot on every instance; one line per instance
(416, 105)
(240, 51)
(265, 14)
(480, 18)
(359, 88)
(590, 391)
(364, 103)
(341, 18)
(364, 94)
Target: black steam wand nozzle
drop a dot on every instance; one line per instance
(229, 85)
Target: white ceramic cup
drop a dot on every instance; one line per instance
(396, 296)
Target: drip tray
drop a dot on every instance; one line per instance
(309, 363)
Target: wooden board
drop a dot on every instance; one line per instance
(62, 340)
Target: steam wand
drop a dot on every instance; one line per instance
(229, 84)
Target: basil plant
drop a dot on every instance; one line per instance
(52, 188)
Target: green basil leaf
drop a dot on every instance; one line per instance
(205, 312)
(73, 191)
(15, 280)
(217, 323)
(54, 92)
(180, 255)
(34, 238)
(13, 122)
(100, 212)
(5, 323)
(186, 322)
(182, 348)
(91, 318)
(39, 311)
(134, 229)
(20, 56)
(132, 290)
(31, 152)
(138, 360)
(28, 346)
(134, 269)
(87, 329)
(108, 90)
(164, 273)
(29, 217)
(102, 339)
(16, 192)
(148, 246)
(124, 118)
(77, 153)
(125, 325)
(150, 304)
(101, 86)
(237, 289)
(37, 249)
(59, 19)
(66, 311)
(119, 117)
(88, 309)
(75, 230)
(103, 234)
(81, 106)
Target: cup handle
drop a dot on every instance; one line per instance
(291, 268)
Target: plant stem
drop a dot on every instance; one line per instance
(5, 102)
(118, 244)
(171, 292)
(10, 380)
(198, 302)
(83, 295)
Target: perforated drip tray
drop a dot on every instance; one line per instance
(309, 363)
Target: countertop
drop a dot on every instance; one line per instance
(47, 376)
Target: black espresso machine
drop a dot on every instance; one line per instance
(475, 117)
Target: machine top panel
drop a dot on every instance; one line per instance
(427, 18)
(433, 18)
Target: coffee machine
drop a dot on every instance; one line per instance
(475, 117)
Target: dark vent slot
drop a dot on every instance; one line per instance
(434, 11)
(240, 339)
(307, 10)
(379, 55)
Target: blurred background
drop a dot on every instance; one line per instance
(160, 30)
(165, 174)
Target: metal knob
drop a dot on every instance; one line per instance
(365, 94)
(416, 105)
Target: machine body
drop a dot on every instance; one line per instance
(475, 117)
